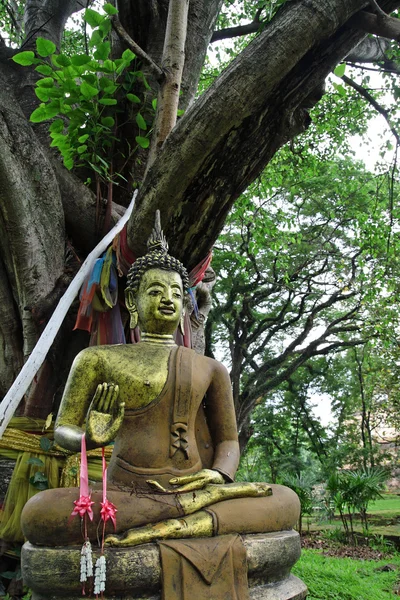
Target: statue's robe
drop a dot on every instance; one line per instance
(183, 422)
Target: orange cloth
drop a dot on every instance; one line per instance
(204, 569)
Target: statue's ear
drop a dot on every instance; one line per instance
(131, 306)
(130, 300)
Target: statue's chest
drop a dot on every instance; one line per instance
(142, 381)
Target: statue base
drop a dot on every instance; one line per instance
(135, 573)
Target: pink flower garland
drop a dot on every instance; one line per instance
(83, 507)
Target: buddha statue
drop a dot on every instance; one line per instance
(170, 413)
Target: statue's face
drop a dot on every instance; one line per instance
(159, 301)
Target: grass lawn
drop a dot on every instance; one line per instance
(390, 503)
(330, 578)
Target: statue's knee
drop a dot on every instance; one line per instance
(287, 502)
(33, 516)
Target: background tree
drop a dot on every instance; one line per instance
(218, 147)
(308, 268)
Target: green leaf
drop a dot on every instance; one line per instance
(108, 101)
(39, 481)
(45, 47)
(105, 82)
(80, 59)
(25, 59)
(45, 444)
(88, 90)
(110, 9)
(339, 88)
(57, 126)
(68, 161)
(34, 461)
(63, 60)
(103, 51)
(60, 141)
(133, 98)
(83, 138)
(105, 27)
(92, 17)
(46, 82)
(53, 92)
(44, 69)
(111, 88)
(95, 39)
(42, 94)
(128, 56)
(109, 65)
(141, 123)
(90, 78)
(154, 103)
(108, 121)
(142, 141)
(82, 149)
(180, 112)
(340, 69)
(39, 115)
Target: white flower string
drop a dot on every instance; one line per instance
(100, 576)
(86, 564)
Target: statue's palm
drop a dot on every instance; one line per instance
(105, 414)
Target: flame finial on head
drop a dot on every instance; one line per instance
(157, 240)
(157, 257)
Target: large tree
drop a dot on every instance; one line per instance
(194, 172)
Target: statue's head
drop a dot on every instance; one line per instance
(156, 285)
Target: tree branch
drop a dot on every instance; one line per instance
(240, 30)
(382, 111)
(381, 25)
(173, 62)
(230, 32)
(375, 5)
(125, 37)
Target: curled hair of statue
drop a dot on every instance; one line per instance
(157, 257)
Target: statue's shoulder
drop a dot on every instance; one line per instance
(95, 354)
(211, 364)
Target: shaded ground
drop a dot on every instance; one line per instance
(315, 540)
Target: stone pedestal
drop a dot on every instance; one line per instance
(135, 573)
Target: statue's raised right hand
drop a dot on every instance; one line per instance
(105, 415)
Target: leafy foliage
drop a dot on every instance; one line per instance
(87, 92)
(308, 267)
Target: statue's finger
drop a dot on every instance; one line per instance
(121, 410)
(96, 396)
(112, 540)
(114, 405)
(184, 479)
(192, 486)
(158, 487)
(102, 397)
(108, 397)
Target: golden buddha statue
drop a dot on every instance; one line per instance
(171, 414)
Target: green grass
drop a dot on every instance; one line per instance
(331, 578)
(389, 503)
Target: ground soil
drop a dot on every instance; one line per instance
(361, 551)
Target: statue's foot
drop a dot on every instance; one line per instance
(172, 528)
(239, 489)
(197, 525)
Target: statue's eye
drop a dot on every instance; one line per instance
(154, 292)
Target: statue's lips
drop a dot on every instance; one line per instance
(166, 310)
